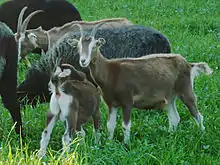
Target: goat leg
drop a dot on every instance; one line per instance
(45, 137)
(189, 99)
(126, 123)
(173, 115)
(111, 123)
(97, 123)
(71, 124)
(9, 99)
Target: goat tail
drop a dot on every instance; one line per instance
(199, 67)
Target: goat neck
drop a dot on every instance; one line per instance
(98, 67)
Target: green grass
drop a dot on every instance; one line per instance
(193, 29)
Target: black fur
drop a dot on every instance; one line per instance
(52, 15)
(8, 81)
(132, 41)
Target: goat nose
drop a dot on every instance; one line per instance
(83, 60)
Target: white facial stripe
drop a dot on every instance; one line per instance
(80, 46)
(65, 73)
(20, 40)
(88, 56)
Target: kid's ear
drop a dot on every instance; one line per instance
(65, 73)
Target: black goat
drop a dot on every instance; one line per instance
(9, 12)
(8, 74)
(129, 41)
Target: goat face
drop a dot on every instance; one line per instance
(60, 76)
(87, 46)
(27, 41)
(65, 72)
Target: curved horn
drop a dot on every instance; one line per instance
(94, 30)
(27, 20)
(20, 17)
(80, 27)
(68, 65)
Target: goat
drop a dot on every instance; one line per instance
(8, 74)
(148, 82)
(51, 17)
(44, 39)
(74, 100)
(10, 10)
(135, 40)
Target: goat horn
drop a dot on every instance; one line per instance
(27, 20)
(20, 17)
(94, 30)
(69, 65)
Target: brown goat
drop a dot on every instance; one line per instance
(74, 100)
(28, 40)
(149, 82)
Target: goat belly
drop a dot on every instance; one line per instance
(147, 104)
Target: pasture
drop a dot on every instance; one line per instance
(193, 29)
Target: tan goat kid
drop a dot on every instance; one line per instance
(74, 100)
(149, 82)
(28, 40)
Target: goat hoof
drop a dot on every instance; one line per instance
(41, 154)
(202, 128)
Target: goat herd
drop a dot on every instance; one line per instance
(128, 65)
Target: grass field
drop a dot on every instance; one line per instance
(193, 29)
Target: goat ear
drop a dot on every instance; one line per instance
(100, 42)
(32, 37)
(72, 42)
(65, 73)
(57, 71)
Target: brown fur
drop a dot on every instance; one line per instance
(86, 97)
(116, 76)
(88, 100)
(84, 104)
(149, 82)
